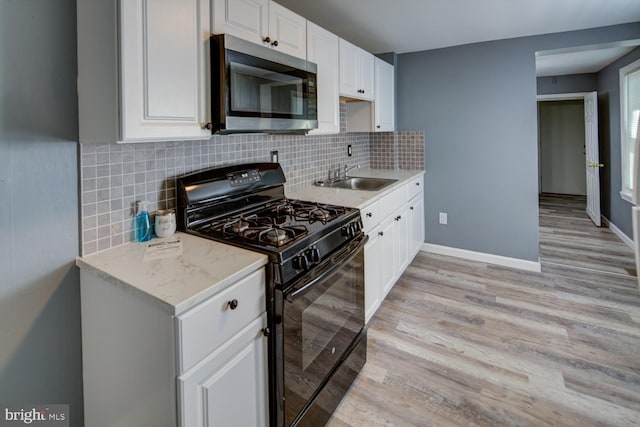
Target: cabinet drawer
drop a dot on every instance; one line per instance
(415, 187)
(370, 216)
(204, 328)
(392, 201)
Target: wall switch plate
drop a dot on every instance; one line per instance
(349, 151)
(443, 218)
(274, 156)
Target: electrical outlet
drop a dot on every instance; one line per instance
(349, 151)
(443, 218)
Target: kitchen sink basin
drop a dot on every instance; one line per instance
(359, 183)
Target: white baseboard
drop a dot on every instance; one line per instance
(483, 257)
(626, 239)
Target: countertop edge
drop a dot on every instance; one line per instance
(185, 282)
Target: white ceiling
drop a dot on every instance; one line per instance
(413, 25)
(586, 59)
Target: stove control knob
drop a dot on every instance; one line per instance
(301, 262)
(314, 255)
(347, 231)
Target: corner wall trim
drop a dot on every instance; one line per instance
(483, 257)
(628, 241)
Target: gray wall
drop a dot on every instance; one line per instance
(40, 356)
(477, 106)
(574, 83)
(613, 207)
(562, 149)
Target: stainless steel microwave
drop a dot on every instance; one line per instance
(258, 89)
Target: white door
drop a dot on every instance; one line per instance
(384, 99)
(322, 49)
(593, 158)
(247, 19)
(366, 74)
(349, 78)
(288, 31)
(163, 82)
(229, 388)
(373, 259)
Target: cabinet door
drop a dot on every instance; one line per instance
(247, 19)
(401, 241)
(323, 50)
(288, 31)
(388, 274)
(416, 222)
(349, 72)
(373, 258)
(163, 82)
(229, 388)
(384, 96)
(366, 74)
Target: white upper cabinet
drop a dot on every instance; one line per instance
(247, 19)
(288, 30)
(262, 22)
(356, 72)
(384, 100)
(322, 49)
(156, 88)
(162, 69)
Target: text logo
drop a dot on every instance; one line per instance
(34, 415)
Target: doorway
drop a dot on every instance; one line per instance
(561, 131)
(590, 149)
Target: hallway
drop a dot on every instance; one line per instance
(568, 237)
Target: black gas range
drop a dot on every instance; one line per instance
(315, 280)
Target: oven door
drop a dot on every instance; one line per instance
(322, 315)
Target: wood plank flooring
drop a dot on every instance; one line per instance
(567, 236)
(462, 343)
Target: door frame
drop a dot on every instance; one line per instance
(562, 97)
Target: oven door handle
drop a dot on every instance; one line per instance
(334, 263)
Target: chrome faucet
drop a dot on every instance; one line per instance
(347, 169)
(334, 175)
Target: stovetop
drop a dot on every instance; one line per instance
(245, 205)
(276, 224)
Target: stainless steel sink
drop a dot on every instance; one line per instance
(359, 183)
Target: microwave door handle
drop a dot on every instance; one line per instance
(335, 264)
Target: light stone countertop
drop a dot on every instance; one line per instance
(355, 198)
(176, 282)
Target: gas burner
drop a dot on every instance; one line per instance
(284, 208)
(238, 226)
(316, 212)
(274, 236)
(319, 214)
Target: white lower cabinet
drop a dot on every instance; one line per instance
(229, 388)
(395, 227)
(401, 240)
(386, 259)
(416, 224)
(146, 367)
(379, 273)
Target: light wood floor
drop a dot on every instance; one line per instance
(460, 343)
